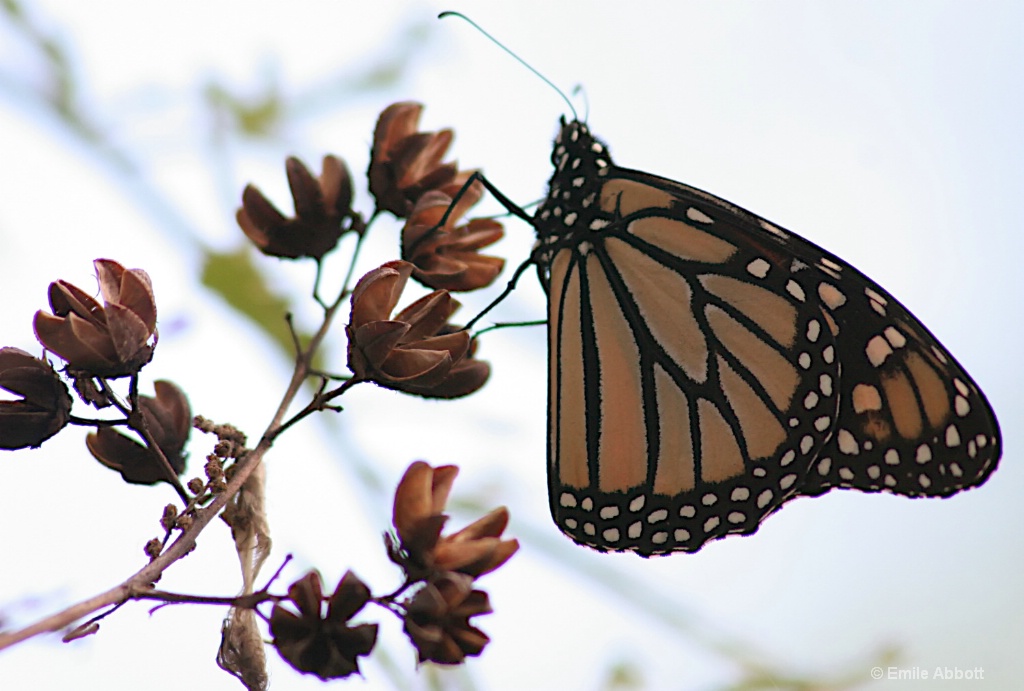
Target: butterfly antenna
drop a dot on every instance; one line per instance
(516, 57)
(580, 91)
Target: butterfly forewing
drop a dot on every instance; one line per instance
(707, 366)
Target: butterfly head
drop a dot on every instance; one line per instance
(575, 142)
(581, 163)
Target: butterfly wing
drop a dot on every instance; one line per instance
(912, 421)
(707, 366)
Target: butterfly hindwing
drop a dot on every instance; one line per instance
(707, 366)
(912, 422)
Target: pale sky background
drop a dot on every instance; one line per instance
(887, 131)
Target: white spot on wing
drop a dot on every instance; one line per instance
(847, 443)
(773, 230)
(695, 214)
(894, 337)
(878, 350)
(875, 297)
(813, 330)
(825, 269)
(657, 516)
(831, 264)
(758, 268)
(831, 296)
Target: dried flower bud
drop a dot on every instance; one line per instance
(418, 519)
(448, 256)
(45, 405)
(153, 548)
(437, 620)
(325, 646)
(323, 211)
(169, 517)
(418, 513)
(168, 419)
(478, 548)
(414, 351)
(405, 163)
(214, 469)
(112, 340)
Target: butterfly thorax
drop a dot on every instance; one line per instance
(581, 161)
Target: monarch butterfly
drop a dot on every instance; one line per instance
(707, 366)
